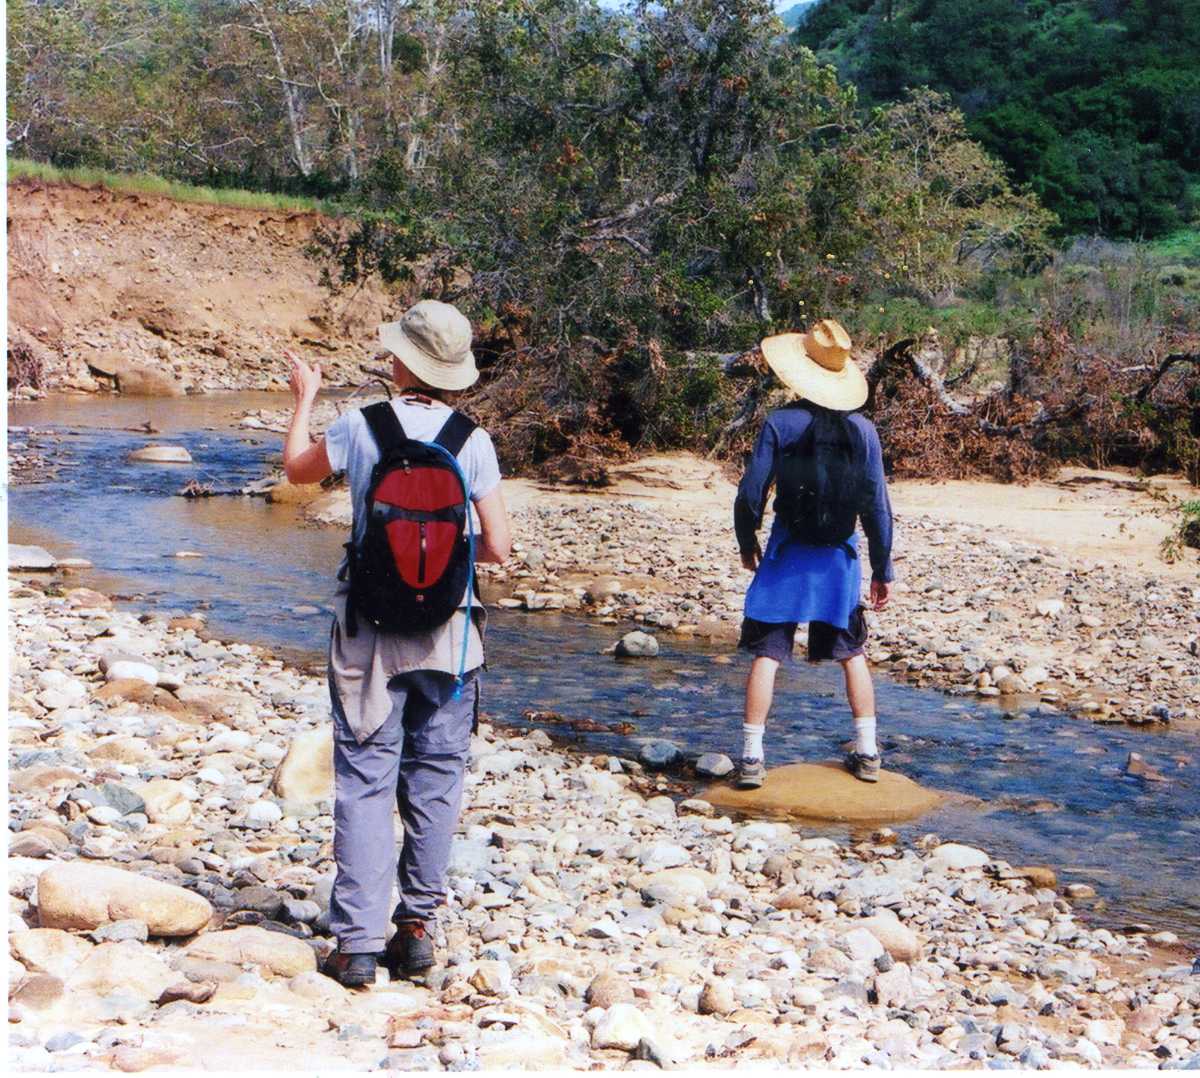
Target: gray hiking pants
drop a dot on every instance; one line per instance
(416, 760)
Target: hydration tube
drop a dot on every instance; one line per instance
(462, 662)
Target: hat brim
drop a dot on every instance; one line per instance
(843, 390)
(449, 376)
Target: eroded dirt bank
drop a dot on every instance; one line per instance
(173, 297)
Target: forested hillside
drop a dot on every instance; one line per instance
(1094, 103)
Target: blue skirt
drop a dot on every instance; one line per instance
(796, 582)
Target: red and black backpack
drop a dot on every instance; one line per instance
(416, 559)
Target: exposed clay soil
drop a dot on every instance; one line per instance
(207, 295)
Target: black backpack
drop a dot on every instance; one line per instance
(820, 479)
(416, 559)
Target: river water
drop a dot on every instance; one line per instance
(1050, 789)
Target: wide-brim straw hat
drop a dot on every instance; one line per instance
(433, 340)
(817, 366)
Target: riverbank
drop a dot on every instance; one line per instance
(594, 920)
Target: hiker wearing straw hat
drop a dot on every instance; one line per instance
(825, 462)
(406, 644)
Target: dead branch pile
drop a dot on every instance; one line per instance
(569, 413)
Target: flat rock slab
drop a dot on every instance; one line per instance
(29, 558)
(826, 791)
(162, 454)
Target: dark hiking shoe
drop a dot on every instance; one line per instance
(351, 970)
(750, 775)
(410, 951)
(862, 767)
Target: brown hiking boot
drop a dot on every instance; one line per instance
(410, 951)
(351, 970)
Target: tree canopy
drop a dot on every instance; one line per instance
(1095, 104)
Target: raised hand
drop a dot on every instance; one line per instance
(304, 380)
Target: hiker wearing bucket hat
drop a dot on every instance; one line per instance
(403, 679)
(825, 462)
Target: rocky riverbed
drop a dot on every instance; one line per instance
(170, 866)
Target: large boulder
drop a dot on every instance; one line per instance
(276, 952)
(29, 558)
(285, 493)
(305, 774)
(49, 950)
(127, 966)
(82, 896)
(161, 454)
(134, 379)
(827, 791)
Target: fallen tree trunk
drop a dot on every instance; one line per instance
(1169, 362)
(901, 354)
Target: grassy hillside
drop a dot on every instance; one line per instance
(147, 184)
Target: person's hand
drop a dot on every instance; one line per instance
(304, 380)
(751, 558)
(880, 593)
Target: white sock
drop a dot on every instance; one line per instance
(864, 728)
(752, 746)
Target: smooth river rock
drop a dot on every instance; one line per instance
(305, 774)
(83, 896)
(161, 454)
(637, 645)
(826, 791)
(28, 558)
(283, 955)
(49, 950)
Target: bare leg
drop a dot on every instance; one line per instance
(760, 690)
(859, 689)
(863, 762)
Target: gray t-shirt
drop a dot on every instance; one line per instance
(352, 450)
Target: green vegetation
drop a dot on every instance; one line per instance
(1186, 533)
(1095, 104)
(20, 168)
(1182, 245)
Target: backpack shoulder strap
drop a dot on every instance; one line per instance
(384, 425)
(455, 432)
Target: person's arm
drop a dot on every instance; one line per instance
(876, 516)
(495, 535)
(751, 498)
(304, 461)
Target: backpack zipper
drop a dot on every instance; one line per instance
(421, 559)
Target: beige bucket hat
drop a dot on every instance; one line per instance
(433, 340)
(817, 366)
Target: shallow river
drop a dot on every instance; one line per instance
(1051, 788)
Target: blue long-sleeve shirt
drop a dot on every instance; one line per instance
(797, 581)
